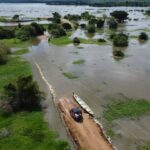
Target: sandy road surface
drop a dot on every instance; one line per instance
(87, 135)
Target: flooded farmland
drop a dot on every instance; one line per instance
(101, 78)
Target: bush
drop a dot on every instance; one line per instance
(22, 34)
(73, 17)
(6, 33)
(120, 15)
(23, 95)
(58, 32)
(4, 51)
(112, 24)
(38, 28)
(85, 15)
(143, 36)
(118, 53)
(83, 26)
(67, 26)
(76, 40)
(92, 21)
(91, 29)
(56, 17)
(120, 40)
(100, 23)
(101, 40)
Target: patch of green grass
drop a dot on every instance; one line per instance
(143, 147)
(69, 75)
(81, 61)
(61, 41)
(126, 109)
(27, 131)
(14, 68)
(134, 36)
(110, 133)
(21, 52)
(4, 19)
(13, 43)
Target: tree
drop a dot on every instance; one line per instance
(67, 26)
(92, 21)
(91, 29)
(120, 15)
(118, 53)
(120, 40)
(23, 95)
(100, 23)
(143, 36)
(38, 28)
(56, 17)
(15, 18)
(112, 23)
(76, 40)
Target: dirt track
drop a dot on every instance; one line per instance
(87, 135)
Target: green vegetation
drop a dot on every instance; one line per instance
(143, 36)
(6, 33)
(110, 133)
(24, 94)
(76, 40)
(14, 68)
(143, 146)
(13, 42)
(120, 40)
(126, 109)
(21, 52)
(69, 75)
(147, 12)
(100, 23)
(112, 23)
(118, 53)
(64, 40)
(4, 19)
(91, 29)
(28, 131)
(120, 15)
(80, 61)
(67, 26)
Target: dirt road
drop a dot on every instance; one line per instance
(87, 135)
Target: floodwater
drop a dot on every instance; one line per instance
(101, 78)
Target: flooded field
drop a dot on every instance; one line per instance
(101, 78)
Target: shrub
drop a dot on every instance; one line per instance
(56, 17)
(112, 24)
(83, 26)
(38, 28)
(91, 29)
(143, 36)
(118, 53)
(6, 33)
(92, 21)
(120, 40)
(120, 15)
(4, 51)
(23, 95)
(85, 15)
(15, 18)
(147, 12)
(67, 26)
(101, 40)
(73, 17)
(76, 40)
(100, 23)
(58, 32)
(53, 26)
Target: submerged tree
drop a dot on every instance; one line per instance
(120, 15)
(143, 36)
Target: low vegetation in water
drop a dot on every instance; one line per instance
(126, 109)
(143, 36)
(70, 75)
(81, 61)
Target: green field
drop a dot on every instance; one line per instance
(127, 109)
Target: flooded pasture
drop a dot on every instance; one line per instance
(101, 78)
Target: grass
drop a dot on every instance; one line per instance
(16, 43)
(27, 131)
(126, 109)
(14, 68)
(69, 75)
(3, 19)
(81, 61)
(21, 52)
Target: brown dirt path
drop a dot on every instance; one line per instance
(87, 135)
